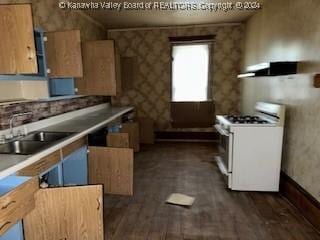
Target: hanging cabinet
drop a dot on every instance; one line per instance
(63, 49)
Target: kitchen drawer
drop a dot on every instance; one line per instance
(74, 146)
(42, 165)
(16, 199)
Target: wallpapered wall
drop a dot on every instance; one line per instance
(150, 93)
(289, 30)
(47, 15)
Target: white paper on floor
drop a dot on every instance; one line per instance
(180, 199)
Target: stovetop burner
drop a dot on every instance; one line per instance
(245, 119)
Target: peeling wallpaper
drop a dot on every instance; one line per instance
(150, 93)
(289, 30)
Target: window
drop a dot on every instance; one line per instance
(190, 72)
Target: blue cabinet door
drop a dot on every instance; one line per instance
(61, 87)
(75, 168)
(14, 233)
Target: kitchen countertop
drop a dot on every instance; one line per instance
(80, 125)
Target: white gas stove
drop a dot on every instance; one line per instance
(251, 148)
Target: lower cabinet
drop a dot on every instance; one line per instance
(66, 213)
(68, 209)
(16, 201)
(75, 168)
(14, 233)
(112, 167)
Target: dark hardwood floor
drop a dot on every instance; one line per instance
(217, 213)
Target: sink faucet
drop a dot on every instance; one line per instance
(12, 118)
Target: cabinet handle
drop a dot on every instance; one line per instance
(98, 200)
(30, 53)
(5, 224)
(8, 204)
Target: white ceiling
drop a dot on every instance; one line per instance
(113, 19)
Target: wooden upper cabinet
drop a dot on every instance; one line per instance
(63, 52)
(73, 213)
(17, 48)
(100, 70)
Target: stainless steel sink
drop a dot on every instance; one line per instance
(46, 136)
(32, 143)
(22, 147)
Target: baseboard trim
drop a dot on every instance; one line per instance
(208, 136)
(301, 199)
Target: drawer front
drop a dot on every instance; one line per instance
(73, 146)
(42, 165)
(16, 204)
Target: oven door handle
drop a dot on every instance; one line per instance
(221, 130)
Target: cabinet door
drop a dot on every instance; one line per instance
(17, 48)
(112, 167)
(118, 71)
(63, 50)
(128, 72)
(132, 128)
(73, 213)
(99, 68)
(119, 140)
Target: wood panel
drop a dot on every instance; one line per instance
(112, 167)
(134, 137)
(17, 203)
(192, 114)
(128, 72)
(118, 71)
(147, 131)
(99, 68)
(42, 165)
(17, 48)
(119, 140)
(63, 51)
(73, 213)
(73, 146)
(307, 204)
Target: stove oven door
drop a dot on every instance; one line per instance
(225, 148)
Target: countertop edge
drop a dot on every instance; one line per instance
(33, 158)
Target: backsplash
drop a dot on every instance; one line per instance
(45, 109)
